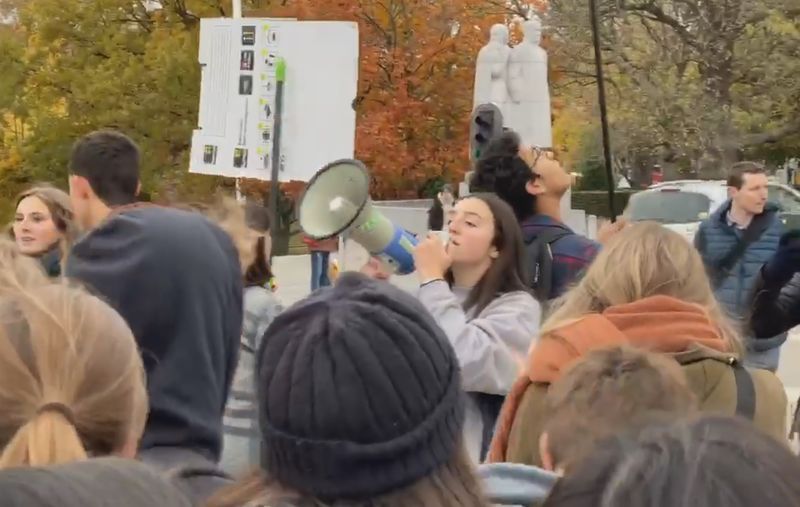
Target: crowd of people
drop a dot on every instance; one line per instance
(146, 361)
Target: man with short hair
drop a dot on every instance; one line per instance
(609, 391)
(734, 243)
(175, 278)
(104, 173)
(533, 182)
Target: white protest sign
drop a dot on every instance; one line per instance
(235, 125)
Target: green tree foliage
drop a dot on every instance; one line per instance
(70, 67)
(697, 83)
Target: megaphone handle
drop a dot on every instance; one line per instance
(343, 251)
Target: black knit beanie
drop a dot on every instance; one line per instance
(359, 392)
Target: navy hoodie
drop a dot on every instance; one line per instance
(175, 278)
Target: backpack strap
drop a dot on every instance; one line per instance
(540, 254)
(754, 231)
(743, 381)
(489, 406)
(745, 392)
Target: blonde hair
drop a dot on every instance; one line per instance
(60, 207)
(452, 485)
(645, 259)
(71, 378)
(230, 216)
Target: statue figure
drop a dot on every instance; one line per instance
(491, 71)
(528, 110)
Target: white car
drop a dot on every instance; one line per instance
(681, 205)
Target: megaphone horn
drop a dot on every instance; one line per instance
(336, 201)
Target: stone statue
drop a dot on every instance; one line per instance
(491, 83)
(528, 110)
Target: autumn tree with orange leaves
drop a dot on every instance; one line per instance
(417, 63)
(131, 65)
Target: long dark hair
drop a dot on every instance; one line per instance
(259, 272)
(508, 272)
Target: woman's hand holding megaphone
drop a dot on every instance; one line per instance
(431, 259)
(374, 269)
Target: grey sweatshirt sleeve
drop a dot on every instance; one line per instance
(491, 347)
(261, 308)
(515, 484)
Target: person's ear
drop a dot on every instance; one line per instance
(535, 186)
(732, 191)
(80, 186)
(544, 453)
(129, 450)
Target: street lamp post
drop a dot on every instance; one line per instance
(237, 13)
(601, 98)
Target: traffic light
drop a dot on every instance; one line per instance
(486, 123)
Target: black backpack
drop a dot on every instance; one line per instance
(540, 262)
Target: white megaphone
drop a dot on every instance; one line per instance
(337, 201)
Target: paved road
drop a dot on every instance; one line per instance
(294, 273)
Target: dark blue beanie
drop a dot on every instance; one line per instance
(359, 392)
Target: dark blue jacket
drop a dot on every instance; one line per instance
(175, 278)
(714, 239)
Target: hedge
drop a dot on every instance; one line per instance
(595, 202)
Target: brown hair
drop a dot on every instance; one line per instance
(71, 378)
(708, 460)
(739, 169)
(508, 271)
(452, 485)
(60, 207)
(246, 228)
(607, 391)
(259, 272)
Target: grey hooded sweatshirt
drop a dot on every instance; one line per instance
(491, 347)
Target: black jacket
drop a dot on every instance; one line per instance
(175, 278)
(776, 296)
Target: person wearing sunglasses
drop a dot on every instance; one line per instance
(533, 181)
